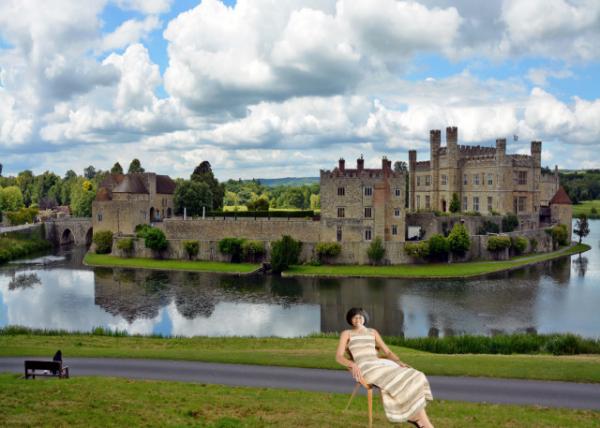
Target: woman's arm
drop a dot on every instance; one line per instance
(386, 351)
(341, 358)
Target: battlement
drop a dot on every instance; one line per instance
(360, 171)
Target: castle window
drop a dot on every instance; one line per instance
(490, 204)
(339, 233)
(397, 192)
(418, 180)
(418, 202)
(476, 179)
(522, 203)
(444, 179)
(368, 234)
(341, 191)
(465, 203)
(476, 204)
(428, 180)
(465, 179)
(368, 191)
(490, 179)
(522, 177)
(427, 202)
(394, 229)
(99, 217)
(341, 212)
(396, 212)
(367, 212)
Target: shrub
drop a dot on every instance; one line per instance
(191, 248)
(253, 250)
(418, 250)
(594, 210)
(259, 204)
(533, 244)
(560, 235)
(125, 245)
(328, 250)
(438, 247)
(488, 227)
(519, 244)
(22, 216)
(155, 239)
(458, 239)
(498, 243)
(232, 247)
(509, 222)
(141, 229)
(376, 251)
(284, 253)
(454, 204)
(103, 240)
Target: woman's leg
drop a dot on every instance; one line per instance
(421, 419)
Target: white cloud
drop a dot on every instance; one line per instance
(539, 76)
(130, 31)
(145, 6)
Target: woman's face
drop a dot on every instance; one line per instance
(358, 321)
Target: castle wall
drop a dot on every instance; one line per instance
(119, 216)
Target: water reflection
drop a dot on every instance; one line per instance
(561, 295)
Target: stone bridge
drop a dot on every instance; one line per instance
(70, 230)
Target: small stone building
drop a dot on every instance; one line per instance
(124, 201)
(561, 209)
(358, 205)
(485, 179)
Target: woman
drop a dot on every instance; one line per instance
(404, 389)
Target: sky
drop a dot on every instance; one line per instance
(278, 88)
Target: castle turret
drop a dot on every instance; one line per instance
(536, 153)
(435, 139)
(360, 163)
(342, 165)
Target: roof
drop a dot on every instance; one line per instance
(165, 185)
(560, 198)
(132, 183)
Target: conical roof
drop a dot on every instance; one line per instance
(560, 197)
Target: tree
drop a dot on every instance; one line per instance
(438, 247)
(116, 169)
(191, 248)
(89, 172)
(284, 253)
(25, 183)
(156, 240)
(454, 204)
(582, 228)
(192, 195)
(83, 194)
(103, 240)
(11, 198)
(400, 166)
(203, 174)
(376, 251)
(259, 204)
(232, 247)
(135, 166)
(458, 240)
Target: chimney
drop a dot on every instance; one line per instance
(536, 153)
(360, 163)
(342, 165)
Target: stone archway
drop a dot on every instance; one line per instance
(88, 237)
(67, 237)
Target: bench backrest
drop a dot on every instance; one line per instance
(43, 365)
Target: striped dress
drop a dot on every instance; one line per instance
(404, 390)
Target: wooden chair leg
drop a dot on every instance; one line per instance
(353, 394)
(370, 402)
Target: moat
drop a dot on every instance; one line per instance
(57, 292)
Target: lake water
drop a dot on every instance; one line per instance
(58, 292)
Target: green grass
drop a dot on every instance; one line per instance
(431, 270)
(92, 259)
(309, 352)
(100, 402)
(585, 207)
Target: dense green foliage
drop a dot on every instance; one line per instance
(103, 240)
(193, 196)
(519, 244)
(498, 243)
(156, 240)
(559, 234)
(22, 216)
(135, 167)
(141, 229)
(284, 253)
(488, 226)
(533, 244)
(438, 247)
(191, 248)
(418, 250)
(458, 240)
(247, 192)
(328, 250)
(11, 198)
(232, 247)
(253, 250)
(582, 228)
(258, 204)
(203, 174)
(581, 185)
(264, 214)
(14, 246)
(509, 222)
(376, 251)
(125, 245)
(454, 204)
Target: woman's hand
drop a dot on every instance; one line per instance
(356, 374)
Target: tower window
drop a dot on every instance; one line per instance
(341, 191)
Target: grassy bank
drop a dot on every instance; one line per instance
(15, 246)
(92, 259)
(310, 352)
(432, 270)
(88, 401)
(585, 207)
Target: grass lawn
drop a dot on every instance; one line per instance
(311, 352)
(92, 259)
(431, 270)
(91, 401)
(585, 207)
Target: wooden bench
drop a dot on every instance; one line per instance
(49, 368)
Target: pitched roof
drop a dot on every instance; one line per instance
(165, 185)
(561, 197)
(132, 183)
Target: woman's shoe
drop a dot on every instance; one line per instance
(415, 423)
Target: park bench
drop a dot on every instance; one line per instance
(47, 368)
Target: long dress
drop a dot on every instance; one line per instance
(404, 390)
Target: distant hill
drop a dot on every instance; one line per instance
(288, 181)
